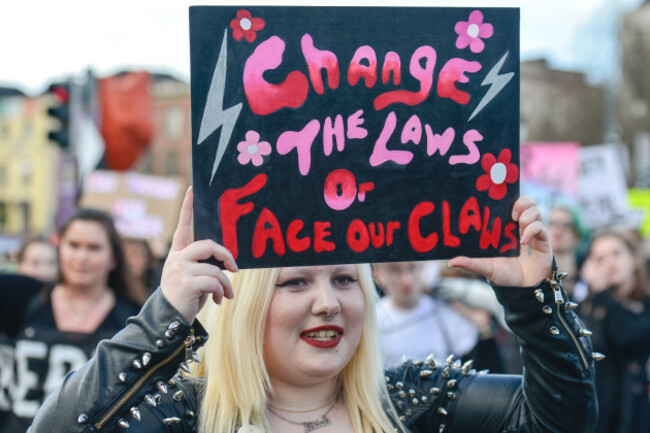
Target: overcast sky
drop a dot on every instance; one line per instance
(43, 40)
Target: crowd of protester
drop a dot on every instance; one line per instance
(63, 299)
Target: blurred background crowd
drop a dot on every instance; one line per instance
(93, 170)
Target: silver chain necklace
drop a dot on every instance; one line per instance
(309, 425)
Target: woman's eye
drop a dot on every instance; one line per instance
(294, 283)
(344, 280)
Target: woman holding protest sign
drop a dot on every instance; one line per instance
(61, 328)
(295, 350)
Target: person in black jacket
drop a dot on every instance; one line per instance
(295, 350)
(618, 311)
(61, 327)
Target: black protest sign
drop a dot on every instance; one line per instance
(327, 135)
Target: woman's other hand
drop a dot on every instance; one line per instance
(186, 282)
(534, 262)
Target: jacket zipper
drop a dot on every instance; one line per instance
(145, 377)
(559, 301)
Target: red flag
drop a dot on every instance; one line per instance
(126, 112)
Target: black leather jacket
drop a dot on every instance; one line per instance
(134, 382)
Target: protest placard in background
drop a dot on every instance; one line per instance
(550, 173)
(603, 187)
(143, 206)
(329, 135)
(639, 199)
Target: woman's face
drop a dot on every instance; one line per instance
(39, 261)
(562, 231)
(85, 254)
(616, 262)
(300, 346)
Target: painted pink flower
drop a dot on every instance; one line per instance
(253, 150)
(472, 31)
(498, 173)
(245, 26)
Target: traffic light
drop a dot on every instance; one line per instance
(60, 112)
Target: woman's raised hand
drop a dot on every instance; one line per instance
(533, 264)
(186, 282)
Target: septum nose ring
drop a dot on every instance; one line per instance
(330, 318)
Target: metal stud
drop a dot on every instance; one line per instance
(122, 423)
(415, 402)
(434, 391)
(426, 373)
(412, 392)
(158, 398)
(451, 384)
(83, 418)
(389, 387)
(174, 325)
(450, 359)
(486, 371)
(467, 367)
(418, 363)
(178, 395)
(570, 306)
(401, 394)
(137, 364)
(457, 363)
(189, 414)
(562, 275)
(597, 356)
(180, 376)
(446, 372)
(171, 382)
(539, 295)
(160, 343)
(150, 400)
(584, 332)
(162, 387)
(169, 334)
(387, 379)
(547, 309)
(442, 428)
(122, 377)
(136, 413)
(451, 395)
(186, 368)
(146, 358)
(431, 360)
(196, 358)
(402, 418)
(424, 399)
(172, 420)
(399, 385)
(554, 330)
(409, 412)
(442, 411)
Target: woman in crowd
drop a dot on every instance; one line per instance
(295, 350)
(618, 311)
(37, 259)
(142, 264)
(90, 302)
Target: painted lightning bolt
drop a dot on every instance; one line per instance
(498, 82)
(214, 115)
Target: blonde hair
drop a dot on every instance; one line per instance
(237, 384)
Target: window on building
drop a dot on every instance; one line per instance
(3, 217)
(26, 173)
(25, 215)
(173, 123)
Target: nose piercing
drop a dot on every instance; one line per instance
(329, 318)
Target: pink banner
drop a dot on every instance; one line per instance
(554, 166)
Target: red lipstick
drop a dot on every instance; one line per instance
(323, 344)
